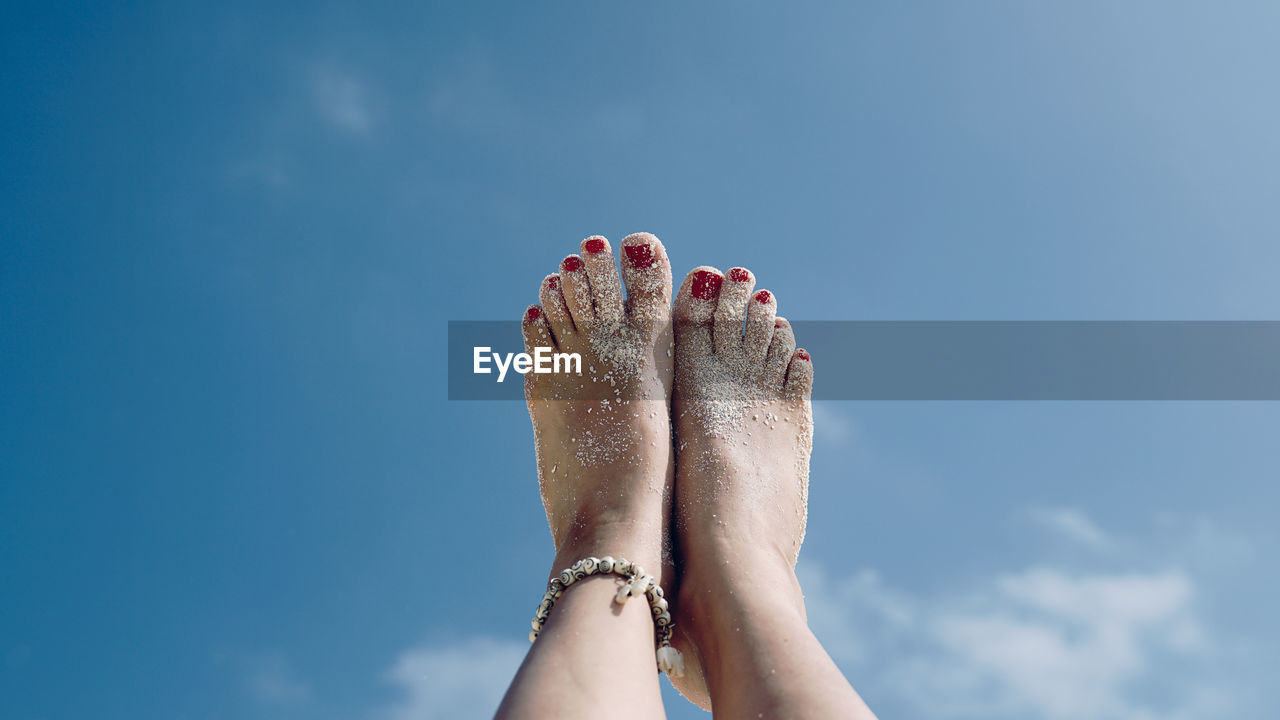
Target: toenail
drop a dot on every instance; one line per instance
(706, 284)
(533, 313)
(594, 246)
(739, 274)
(802, 354)
(553, 282)
(777, 324)
(762, 297)
(640, 256)
(572, 263)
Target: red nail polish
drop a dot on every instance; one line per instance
(572, 263)
(553, 282)
(762, 297)
(640, 256)
(777, 324)
(739, 274)
(802, 354)
(533, 313)
(594, 246)
(706, 285)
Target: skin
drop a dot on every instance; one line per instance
(739, 508)
(741, 497)
(592, 651)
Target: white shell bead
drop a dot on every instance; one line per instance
(670, 661)
(640, 584)
(606, 564)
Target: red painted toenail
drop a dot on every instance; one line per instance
(594, 246)
(640, 256)
(762, 297)
(739, 274)
(572, 263)
(553, 282)
(777, 324)
(706, 284)
(533, 313)
(802, 354)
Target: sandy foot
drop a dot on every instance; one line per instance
(744, 431)
(603, 439)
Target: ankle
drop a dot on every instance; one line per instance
(725, 558)
(637, 545)
(719, 592)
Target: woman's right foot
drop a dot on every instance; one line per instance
(603, 437)
(744, 427)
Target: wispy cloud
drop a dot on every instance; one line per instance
(1072, 525)
(1055, 645)
(273, 681)
(1042, 643)
(458, 681)
(342, 100)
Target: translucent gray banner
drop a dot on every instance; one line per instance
(981, 360)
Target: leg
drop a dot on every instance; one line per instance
(594, 658)
(744, 425)
(605, 470)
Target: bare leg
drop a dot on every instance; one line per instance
(594, 658)
(605, 469)
(744, 429)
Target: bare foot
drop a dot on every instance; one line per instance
(744, 432)
(603, 438)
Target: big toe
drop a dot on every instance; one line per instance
(646, 270)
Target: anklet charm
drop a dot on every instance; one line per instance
(637, 583)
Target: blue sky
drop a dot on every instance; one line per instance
(231, 237)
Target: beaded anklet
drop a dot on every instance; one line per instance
(669, 659)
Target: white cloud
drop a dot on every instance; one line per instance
(342, 100)
(1046, 643)
(1043, 643)
(1072, 525)
(457, 682)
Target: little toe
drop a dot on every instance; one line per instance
(779, 354)
(606, 289)
(647, 272)
(576, 288)
(799, 375)
(731, 312)
(694, 307)
(557, 311)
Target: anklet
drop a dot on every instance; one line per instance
(638, 583)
